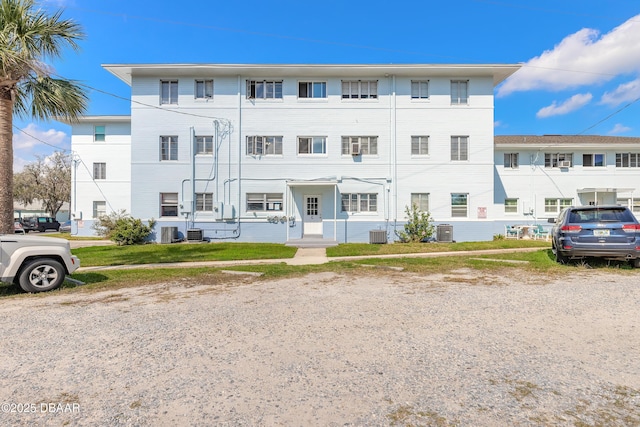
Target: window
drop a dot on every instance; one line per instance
(360, 89)
(354, 145)
(99, 133)
(264, 202)
(204, 202)
(421, 200)
(168, 148)
(312, 90)
(168, 92)
(168, 204)
(204, 89)
(264, 145)
(510, 205)
(593, 160)
(419, 145)
(628, 160)
(99, 208)
(459, 148)
(633, 204)
(556, 205)
(558, 160)
(359, 202)
(312, 145)
(264, 89)
(459, 92)
(420, 89)
(511, 160)
(99, 171)
(204, 144)
(459, 204)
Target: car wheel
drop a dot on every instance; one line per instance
(636, 263)
(41, 275)
(41, 229)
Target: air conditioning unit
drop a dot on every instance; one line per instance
(565, 164)
(168, 234)
(195, 235)
(444, 233)
(355, 149)
(377, 236)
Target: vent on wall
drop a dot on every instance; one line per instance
(195, 235)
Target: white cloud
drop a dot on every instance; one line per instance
(33, 141)
(618, 129)
(626, 92)
(582, 58)
(571, 104)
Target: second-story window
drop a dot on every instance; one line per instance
(99, 171)
(356, 145)
(168, 148)
(511, 160)
(593, 160)
(558, 160)
(419, 145)
(204, 144)
(312, 145)
(312, 89)
(168, 92)
(459, 148)
(264, 89)
(204, 89)
(459, 92)
(360, 89)
(99, 133)
(264, 145)
(420, 89)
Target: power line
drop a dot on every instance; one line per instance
(40, 140)
(609, 116)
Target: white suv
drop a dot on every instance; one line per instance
(35, 263)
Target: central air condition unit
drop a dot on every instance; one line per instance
(195, 235)
(168, 234)
(444, 233)
(565, 164)
(377, 236)
(355, 149)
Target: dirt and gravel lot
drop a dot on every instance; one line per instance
(465, 348)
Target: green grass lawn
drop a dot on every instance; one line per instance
(183, 252)
(354, 249)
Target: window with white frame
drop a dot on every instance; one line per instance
(420, 89)
(421, 200)
(312, 89)
(354, 145)
(459, 205)
(359, 202)
(511, 161)
(459, 148)
(312, 145)
(204, 89)
(511, 206)
(204, 202)
(628, 160)
(99, 208)
(264, 202)
(459, 92)
(631, 203)
(99, 133)
(556, 205)
(359, 89)
(264, 89)
(168, 91)
(168, 204)
(168, 148)
(264, 145)
(593, 160)
(99, 171)
(419, 145)
(558, 160)
(204, 144)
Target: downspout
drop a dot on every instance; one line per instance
(395, 150)
(192, 159)
(239, 153)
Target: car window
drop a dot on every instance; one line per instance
(604, 215)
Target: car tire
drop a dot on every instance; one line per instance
(40, 275)
(636, 263)
(41, 229)
(560, 259)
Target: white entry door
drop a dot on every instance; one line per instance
(312, 220)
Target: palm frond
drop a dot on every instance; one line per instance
(45, 97)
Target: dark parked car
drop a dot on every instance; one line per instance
(40, 223)
(609, 232)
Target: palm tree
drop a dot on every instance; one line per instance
(28, 86)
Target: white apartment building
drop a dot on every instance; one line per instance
(279, 153)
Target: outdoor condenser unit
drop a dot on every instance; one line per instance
(195, 235)
(168, 234)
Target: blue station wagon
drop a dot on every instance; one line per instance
(609, 232)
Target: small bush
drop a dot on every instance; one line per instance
(498, 237)
(419, 226)
(123, 229)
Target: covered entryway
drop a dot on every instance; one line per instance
(312, 216)
(602, 196)
(306, 202)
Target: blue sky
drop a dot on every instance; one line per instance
(581, 58)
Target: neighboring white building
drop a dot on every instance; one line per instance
(276, 153)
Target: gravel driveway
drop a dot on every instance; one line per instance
(466, 348)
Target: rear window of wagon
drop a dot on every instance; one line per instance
(601, 215)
